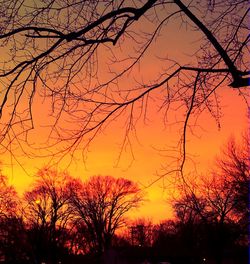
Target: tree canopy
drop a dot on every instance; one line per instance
(101, 205)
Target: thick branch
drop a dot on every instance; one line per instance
(238, 81)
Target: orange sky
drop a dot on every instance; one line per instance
(153, 138)
(104, 151)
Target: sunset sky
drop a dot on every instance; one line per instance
(149, 155)
(148, 158)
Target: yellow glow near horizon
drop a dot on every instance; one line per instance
(148, 161)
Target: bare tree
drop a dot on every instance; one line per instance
(100, 205)
(8, 199)
(47, 214)
(141, 233)
(11, 224)
(233, 165)
(75, 55)
(221, 199)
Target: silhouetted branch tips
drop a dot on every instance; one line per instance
(87, 61)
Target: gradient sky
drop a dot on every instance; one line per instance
(149, 158)
(149, 155)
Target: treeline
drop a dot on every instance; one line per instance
(61, 217)
(65, 220)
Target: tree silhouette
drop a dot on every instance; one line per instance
(47, 215)
(100, 205)
(52, 51)
(233, 164)
(8, 198)
(166, 239)
(141, 233)
(11, 224)
(219, 203)
(233, 167)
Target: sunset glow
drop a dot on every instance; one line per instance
(124, 131)
(150, 155)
